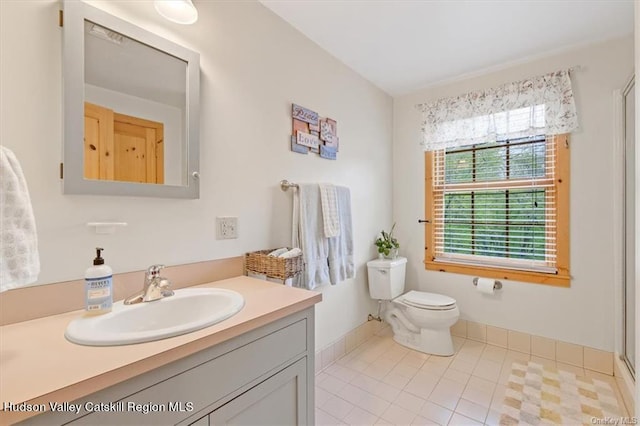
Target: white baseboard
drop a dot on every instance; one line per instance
(345, 344)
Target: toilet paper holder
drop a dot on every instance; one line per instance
(497, 285)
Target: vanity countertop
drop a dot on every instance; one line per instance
(38, 365)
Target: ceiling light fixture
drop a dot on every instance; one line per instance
(178, 11)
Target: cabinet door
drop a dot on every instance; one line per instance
(279, 400)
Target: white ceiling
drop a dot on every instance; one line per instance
(405, 45)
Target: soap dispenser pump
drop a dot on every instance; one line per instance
(98, 286)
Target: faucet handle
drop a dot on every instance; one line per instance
(165, 287)
(154, 270)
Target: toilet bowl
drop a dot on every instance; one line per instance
(419, 320)
(425, 328)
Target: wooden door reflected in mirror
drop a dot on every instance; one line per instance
(121, 147)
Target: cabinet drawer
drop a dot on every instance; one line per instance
(209, 382)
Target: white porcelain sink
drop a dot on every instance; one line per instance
(186, 311)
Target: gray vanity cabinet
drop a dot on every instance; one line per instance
(262, 377)
(279, 400)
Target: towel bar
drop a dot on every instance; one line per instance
(285, 185)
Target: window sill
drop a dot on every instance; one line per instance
(557, 280)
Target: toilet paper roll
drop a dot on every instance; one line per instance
(485, 285)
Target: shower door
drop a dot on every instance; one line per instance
(629, 282)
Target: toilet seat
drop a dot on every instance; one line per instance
(430, 301)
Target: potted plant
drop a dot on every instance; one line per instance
(387, 244)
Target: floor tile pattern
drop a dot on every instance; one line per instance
(383, 383)
(537, 394)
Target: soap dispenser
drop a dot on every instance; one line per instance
(98, 286)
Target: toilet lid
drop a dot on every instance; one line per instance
(421, 299)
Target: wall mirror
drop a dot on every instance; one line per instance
(131, 109)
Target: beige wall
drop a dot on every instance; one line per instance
(253, 66)
(584, 313)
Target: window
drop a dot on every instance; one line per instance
(500, 209)
(497, 180)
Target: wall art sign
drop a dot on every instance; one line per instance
(298, 148)
(327, 152)
(329, 133)
(306, 139)
(325, 131)
(310, 132)
(306, 115)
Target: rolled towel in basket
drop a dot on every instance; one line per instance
(278, 252)
(291, 253)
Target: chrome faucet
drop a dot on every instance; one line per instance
(155, 287)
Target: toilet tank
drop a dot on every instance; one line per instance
(386, 277)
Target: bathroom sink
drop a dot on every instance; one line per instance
(186, 311)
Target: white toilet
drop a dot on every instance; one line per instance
(419, 320)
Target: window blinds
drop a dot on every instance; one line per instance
(494, 204)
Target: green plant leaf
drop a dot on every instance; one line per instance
(386, 241)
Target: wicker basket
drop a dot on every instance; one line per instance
(273, 267)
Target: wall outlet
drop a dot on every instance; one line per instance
(226, 228)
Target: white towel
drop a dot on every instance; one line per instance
(308, 234)
(290, 253)
(278, 252)
(19, 260)
(330, 218)
(341, 264)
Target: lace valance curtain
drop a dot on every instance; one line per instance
(535, 106)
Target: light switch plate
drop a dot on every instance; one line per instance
(226, 228)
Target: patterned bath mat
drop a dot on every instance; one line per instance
(544, 395)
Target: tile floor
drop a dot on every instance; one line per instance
(383, 383)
